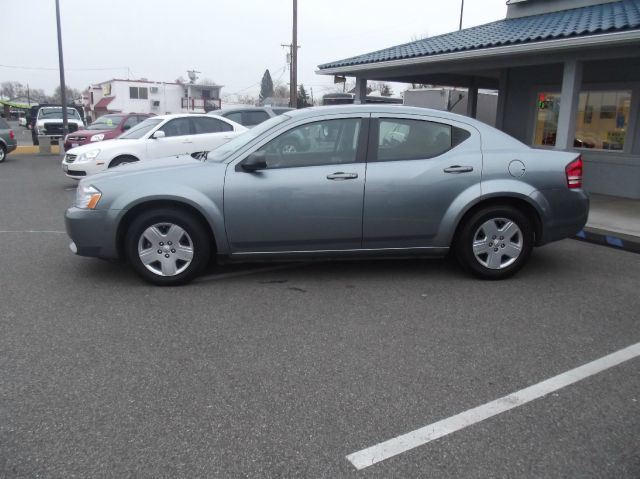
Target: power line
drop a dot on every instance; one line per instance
(17, 67)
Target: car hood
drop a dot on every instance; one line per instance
(102, 146)
(90, 132)
(145, 167)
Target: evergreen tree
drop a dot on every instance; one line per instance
(266, 87)
(303, 97)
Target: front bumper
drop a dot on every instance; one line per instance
(93, 232)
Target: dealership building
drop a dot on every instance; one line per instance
(567, 74)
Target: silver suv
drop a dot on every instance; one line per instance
(375, 181)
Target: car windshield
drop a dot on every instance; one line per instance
(140, 129)
(56, 113)
(107, 122)
(223, 152)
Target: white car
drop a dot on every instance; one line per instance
(156, 137)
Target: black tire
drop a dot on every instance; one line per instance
(196, 237)
(3, 153)
(121, 160)
(472, 230)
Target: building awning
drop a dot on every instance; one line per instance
(596, 24)
(103, 103)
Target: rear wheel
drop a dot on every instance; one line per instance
(495, 242)
(3, 153)
(167, 247)
(121, 160)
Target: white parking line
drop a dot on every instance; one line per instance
(34, 231)
(248, 272)
(424, 435)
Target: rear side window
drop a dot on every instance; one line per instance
(404, 139)
(210, 125)
(177, 127)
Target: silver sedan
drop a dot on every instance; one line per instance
(371, 181)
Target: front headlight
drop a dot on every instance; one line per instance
(98, 137)
(88, 156)
(87, 197)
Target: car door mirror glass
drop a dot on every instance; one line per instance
(255, 161)
(158, 134)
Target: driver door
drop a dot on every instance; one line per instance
(178, 139)
(308, 198)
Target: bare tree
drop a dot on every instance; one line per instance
(382, 87)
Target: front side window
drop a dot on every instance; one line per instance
(602, 119)
(324, 142)
(177, 127)
(236, 116)
(401, 139)
(252, 118)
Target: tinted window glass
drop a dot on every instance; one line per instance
(209, 125)
(252, 118)
(140, 130)
(177, 127)
(237, 117)
(320, 143)
(131, 121)
(401, 139)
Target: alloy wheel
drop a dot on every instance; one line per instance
(497, 243)
(165, 249)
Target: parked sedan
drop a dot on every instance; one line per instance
(106, 127)
(443, 183)
(8, 141)
(250, 116)
(156, 137)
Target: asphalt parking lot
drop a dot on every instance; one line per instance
(256, 371)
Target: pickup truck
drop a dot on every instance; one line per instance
(48, 122)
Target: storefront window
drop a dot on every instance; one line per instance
(548, 109)
(601, 122)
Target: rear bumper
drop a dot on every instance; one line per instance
(566, 215)
(11, 147)
(93, 232)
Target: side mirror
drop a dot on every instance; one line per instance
(255, 161)
(158, 134)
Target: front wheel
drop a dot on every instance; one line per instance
(167, 247)
(122, 160)
(495, 242)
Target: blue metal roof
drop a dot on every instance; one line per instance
(578, 22)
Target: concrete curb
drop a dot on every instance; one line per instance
(611, 239)
(33, 150)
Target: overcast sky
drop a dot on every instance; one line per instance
(230, 41)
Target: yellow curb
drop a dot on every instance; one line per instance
(34, 150)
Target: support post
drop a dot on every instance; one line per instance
(472, 100)
(503, 87)
(571, 83)
(361, 91)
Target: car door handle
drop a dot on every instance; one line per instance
(339, 175)
(187, 141)
(458, 169)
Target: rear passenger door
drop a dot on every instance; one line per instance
(416, 169)
(210, 133)
(178, 139)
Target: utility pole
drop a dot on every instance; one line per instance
(461, 14)
(293, 92)
(63, 87)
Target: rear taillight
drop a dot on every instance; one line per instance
(12, 135)
(574, 173)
